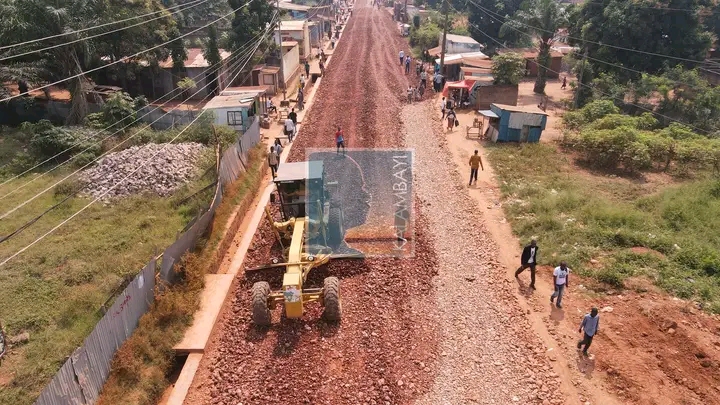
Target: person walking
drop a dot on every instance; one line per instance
(475, 164)
(451, 118)
(442, 108)
(560, 279)
(340, 140)
(528, 260)
(402, 57)
(278, 148)
(591, 325)
(423, 78)
(437, 82)
(302, 82)
(408, 59)
(409, 94)
(301, 100)
(293, 117)
(322, 68)
(564, 83)
(273, 161)
(289, 129)
(307, 68)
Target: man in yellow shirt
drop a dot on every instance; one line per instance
(475, 163)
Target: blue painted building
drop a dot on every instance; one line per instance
(508, 123)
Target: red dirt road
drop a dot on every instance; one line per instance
(384, 350)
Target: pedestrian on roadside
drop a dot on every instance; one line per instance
(322, 68)
(301, 100)
(409, 94)
(475, 164)
(402, 57)
(273, 161)
(407, 64)
(307, 68)
(528, 260)
(437, 82)
(564, 83)
(302, 81)
(293, 116)
(560, 281)
(289, 129)
(278, 148)
(332, 44)
(442, 108)
(591, 324)
(423, 78)
(421, 91)
(451, 118)
(340, 140)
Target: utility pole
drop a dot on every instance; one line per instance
(444, 40)
(580, 78)
(282, 68)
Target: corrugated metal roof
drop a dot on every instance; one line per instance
(520, 109)
(292, 25)
(195, 59)
(236, 100)
(461, 39)
(530, 53)
(289, 43)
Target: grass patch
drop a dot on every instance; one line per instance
(55, 289)
(140, 367)
(577, 216)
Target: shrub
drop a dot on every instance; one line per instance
(426, 36)
(508, 68)
(59, 143)
(590, 113)
(118, 111)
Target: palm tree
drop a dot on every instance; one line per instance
(24, 74)
(539, 19)
(38, 19)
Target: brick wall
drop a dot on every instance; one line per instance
(486, 95)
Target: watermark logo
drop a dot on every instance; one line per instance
(365, 198)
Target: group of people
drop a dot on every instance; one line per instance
(590, 323)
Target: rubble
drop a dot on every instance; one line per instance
(173, 166)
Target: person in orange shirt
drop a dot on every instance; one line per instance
(475, 164)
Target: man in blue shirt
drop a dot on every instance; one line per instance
(591, 324)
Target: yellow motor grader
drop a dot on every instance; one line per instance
(310, 230)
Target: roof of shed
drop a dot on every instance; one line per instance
(236, 100)
(520, 109)
(530, 53)
(292, 25)
(195, 59)
(462, 39)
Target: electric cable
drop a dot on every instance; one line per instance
(13, 56)
(94, 27)
(80, 141)
(27, 201)
(259, 42)
(125, 58)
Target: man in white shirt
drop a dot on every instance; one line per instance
(528, 259)
(289, 129)
(442, 108)
(560, 280)
(402, 57)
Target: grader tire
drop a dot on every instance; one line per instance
(335, 232)
(331, 299)
(261, 315)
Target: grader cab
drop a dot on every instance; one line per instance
(310, 230)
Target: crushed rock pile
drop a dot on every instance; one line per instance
(162, 174)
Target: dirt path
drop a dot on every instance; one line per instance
(652, 349)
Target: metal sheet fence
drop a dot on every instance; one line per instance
(80, 380)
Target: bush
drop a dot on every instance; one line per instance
(609, 149)
(59, 143)
(118, 111)
(591, 112)
(425, 37)
(508, 68)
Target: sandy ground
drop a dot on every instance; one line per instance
(652, 349)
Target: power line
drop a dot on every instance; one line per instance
(489, 12)
(699, 10)
(218, 67)
(130, 174)
(591, 88)
(125, 58)
(94, 27)
(6, 214)
(197, 3)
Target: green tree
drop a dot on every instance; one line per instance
(213, 58)
(480, 17)
(540, 19)
(508, 68)
(249, 22)
(425, 37)
(643, 25)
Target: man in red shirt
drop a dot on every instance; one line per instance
(340, 140)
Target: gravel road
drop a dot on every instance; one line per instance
(385, 350)
(489, 353)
